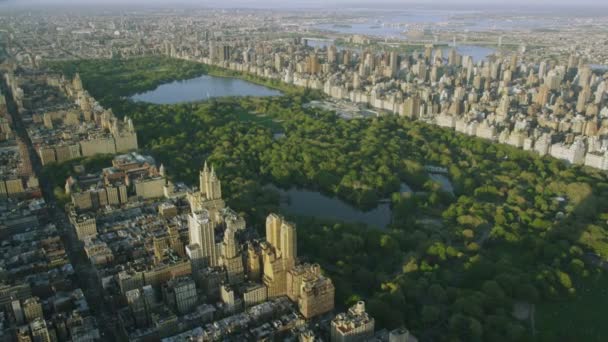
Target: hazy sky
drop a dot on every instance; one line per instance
(325, 3)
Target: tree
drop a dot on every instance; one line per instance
(430, 314)
(564, 279)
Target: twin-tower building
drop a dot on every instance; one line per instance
(214, 232)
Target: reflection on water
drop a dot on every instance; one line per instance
(315, 204)
(203, 88)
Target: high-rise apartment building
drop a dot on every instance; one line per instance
(202, 232)
(210, 185)
(332, 54)
(411, 107)
(313, 292)
(141, 302)
(394, 63)
(84, 224)
(254, 262)
(312, 64)
(39, 330)
(224, 53)
(230, 257)
(209, 195)
(254, 294)
(275, 275)
(281, 235)
(32, 309)
(230, 299)
(180, 294)
(25, 169)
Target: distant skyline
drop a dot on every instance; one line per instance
(482, 4)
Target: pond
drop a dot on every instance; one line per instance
(203, 88)
(315, 204)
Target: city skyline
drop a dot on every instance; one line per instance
(522, 5)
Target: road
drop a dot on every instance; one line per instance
(85, 272)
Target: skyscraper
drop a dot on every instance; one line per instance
(542, 97)
(212, 51)
(288, 245)
(542, 70)
(32, 309)
(394, 63)
(453, 57)
(202, 232)
(312, 64)
(411, 107)
(210, 185)
(281, 235)
(332, 54)
(273, 228)
(39, 330)
(313, 292)
(140, 306)
(209, 196)
(346, 58)
(224, 53)
(254, 262)
(77, 83)
(180, 294)
(275, 276)
(278, 253)
(428, 52)
(503, 107)
(230, 257)
(278, 62)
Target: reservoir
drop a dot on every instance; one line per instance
(203, 88)
(477, 53)
(315, 204)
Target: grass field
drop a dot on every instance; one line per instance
(259, 119)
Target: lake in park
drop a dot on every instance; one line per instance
(313, 203)
(203, 88)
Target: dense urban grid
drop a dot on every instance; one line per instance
(123, 219)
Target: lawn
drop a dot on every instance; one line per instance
(260, 119)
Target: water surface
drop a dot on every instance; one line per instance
(203, 88)
(446, 184)
(395, 24)
(315, 204)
